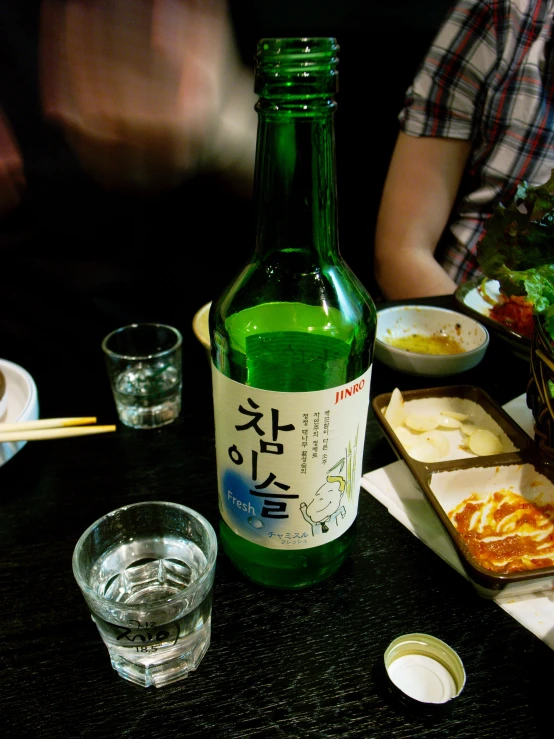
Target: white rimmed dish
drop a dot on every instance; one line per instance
(3, 397)
(21, 405)
(426, 320)
(200, 325)
(470, 298)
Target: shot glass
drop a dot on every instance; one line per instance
(144, 362)
(146, 572)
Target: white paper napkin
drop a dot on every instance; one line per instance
(395, 487)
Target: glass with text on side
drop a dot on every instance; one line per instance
(146, 572)
(144, 363)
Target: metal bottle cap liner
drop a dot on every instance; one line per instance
(424, 673)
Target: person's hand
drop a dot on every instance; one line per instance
(12, 177)
(148, 91)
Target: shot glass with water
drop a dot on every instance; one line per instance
(144, 362)
(146, 572)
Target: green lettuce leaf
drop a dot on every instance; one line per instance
(517, 248)
(536, 284)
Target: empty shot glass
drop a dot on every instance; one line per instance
(144, 363)
(146, 571)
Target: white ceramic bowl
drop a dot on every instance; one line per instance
(404, 320)
(3, 397)
(21, 405)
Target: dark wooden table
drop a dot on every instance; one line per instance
(281, 664)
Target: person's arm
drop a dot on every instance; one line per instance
(419, 192)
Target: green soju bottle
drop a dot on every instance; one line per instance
(292, 342)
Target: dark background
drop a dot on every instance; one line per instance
(77, 260)
(381, 47)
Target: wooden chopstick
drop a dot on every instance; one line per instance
(51, 428)
(52, 433)
(46, 423)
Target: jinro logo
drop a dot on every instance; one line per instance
(352, 390)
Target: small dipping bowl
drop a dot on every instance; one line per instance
(403, 321)
(18, 402)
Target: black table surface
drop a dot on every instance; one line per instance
(291, 664)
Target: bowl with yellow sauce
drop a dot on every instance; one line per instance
(428, 340)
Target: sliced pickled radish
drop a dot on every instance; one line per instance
(454, 414)
(431, 434)
(424, 451)
(404, 437)
(421, 423)
(483, 443)
(448, 422)
(438, 439)
(395, 412)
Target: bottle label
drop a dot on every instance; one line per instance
(289, 464)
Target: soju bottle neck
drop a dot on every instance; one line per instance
(295, 177)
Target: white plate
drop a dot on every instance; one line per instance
(22, 403)
(470, 300)
(474, 299)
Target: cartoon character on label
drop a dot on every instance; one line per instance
(325, 508)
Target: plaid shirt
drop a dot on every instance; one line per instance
(489, 79)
